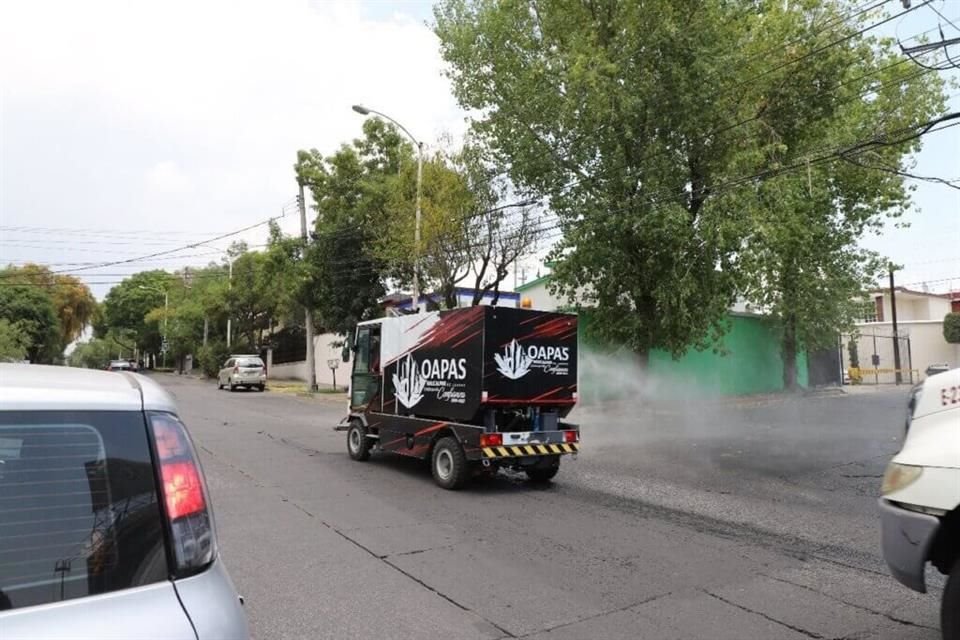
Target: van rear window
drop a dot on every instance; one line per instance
(79, 513)
(249, 362)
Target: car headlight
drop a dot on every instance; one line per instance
(899, 476)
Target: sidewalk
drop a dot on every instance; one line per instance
(886, 387)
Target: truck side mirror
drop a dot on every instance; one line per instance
(345, 353)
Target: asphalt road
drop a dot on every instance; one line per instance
(676, 523)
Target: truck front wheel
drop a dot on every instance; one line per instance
(358, 445)
(950, 607)
(449, 464)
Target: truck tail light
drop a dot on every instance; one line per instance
(185, 502)
(570, 437)
(491, 439)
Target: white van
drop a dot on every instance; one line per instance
(920, 507)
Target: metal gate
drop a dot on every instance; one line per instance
(868, 357)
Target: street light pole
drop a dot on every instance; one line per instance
(364, 111)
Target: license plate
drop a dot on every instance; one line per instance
(520, 438)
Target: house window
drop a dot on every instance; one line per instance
(879, 311)
(955, 305)
(868, 311)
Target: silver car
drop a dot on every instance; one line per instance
(243, 371)
(106, 529)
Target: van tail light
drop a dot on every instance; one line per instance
(571, 437)
(236, 368)
(185, 502)
(491, 439)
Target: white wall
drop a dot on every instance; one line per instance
(914, 307)
(323, 353)
(927, 346)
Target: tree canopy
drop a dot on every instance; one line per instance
(671, 138)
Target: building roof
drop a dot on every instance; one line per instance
(402, 301)
(533, 283)
(913, 292)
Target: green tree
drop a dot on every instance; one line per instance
(13, 341)
(601, 108)
(126, 306)
(30, 307)
(802, 261)
(95, 353)
(351, 188)
(73, 301)
(673, 139)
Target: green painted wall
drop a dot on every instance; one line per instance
(749, 360)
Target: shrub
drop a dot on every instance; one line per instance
(951, 328)
(211, 358)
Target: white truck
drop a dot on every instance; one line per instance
(920, 503)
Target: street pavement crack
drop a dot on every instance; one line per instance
(892, 618)
(809, 634)
(386, 561)
(597, 615)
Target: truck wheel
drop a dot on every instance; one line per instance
(950, 607)
(449, 464)
(543, 473)
(358, 445)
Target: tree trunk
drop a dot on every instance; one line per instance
(643, 360)
(788, 351)
(450, 295)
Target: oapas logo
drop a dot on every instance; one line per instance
(516, 361)
(412, 381)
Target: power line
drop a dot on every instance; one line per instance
(191, 245)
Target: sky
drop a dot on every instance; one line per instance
(130, 127)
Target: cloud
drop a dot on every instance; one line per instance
(117, 103)
(167, 178)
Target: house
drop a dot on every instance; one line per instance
(911, 305)
(920, 333)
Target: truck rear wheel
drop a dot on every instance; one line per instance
(358, 445)
(950, 607)
(449, 464)
(543, 472)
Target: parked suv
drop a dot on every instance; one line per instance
(243, 371)
(920, 507)
(106, 529)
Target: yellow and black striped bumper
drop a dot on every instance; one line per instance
(521, 450)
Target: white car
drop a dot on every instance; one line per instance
(243, 371)
(920, 507)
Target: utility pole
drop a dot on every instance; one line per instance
(308, 317)
(416, 231)
(896, 335)
(229, 286)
